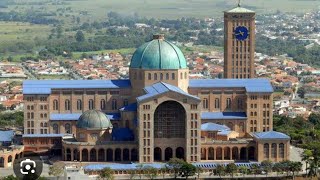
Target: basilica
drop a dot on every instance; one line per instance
(159, 113)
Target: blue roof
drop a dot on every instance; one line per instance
(45, 86)
(64, 117)
(224, 115)
(122, 134)
(130, 107)
(251, 85)
(214, 127)
(161, 88)
(43, 135)
(95, 167)
(114, 116)
(134, 166)
(270, 135)
(6, 136)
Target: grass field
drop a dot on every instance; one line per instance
(173, 9)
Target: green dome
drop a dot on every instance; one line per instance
(158, 54)
(94, 119)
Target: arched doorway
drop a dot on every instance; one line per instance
(168, 154)
(85, 155)
(16, 157)
(109, 155)
(226, 153)
(251, 153)
(68, 152)
(169, 120)
(243, 154)
(180, 153)
(126, 156)
(76, 155)
(117, 156)
(101, 155)
(93, 155)
(157, 154)
(219, 153)
(10, 159)
(211, 153)
(134, 155)
(235, 153)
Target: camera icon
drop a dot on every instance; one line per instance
(28, 166)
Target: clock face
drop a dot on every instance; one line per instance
(241, 33)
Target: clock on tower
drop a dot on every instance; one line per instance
(239, 43)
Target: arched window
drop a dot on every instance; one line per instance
(28, 115)
(266, 150)
(55, 128)
(114, 104)
(167, 76)
(173, 76)
(155, 76)
(103, 104)
(149, 76)
(67, 105)
(67, 128)
(55, 105)
(228, 103)
(41, 107)
(41, 124)
(281, 150)
(264, 105)
(91, 104)
(45, 124)
(45, 107)
(41, 115)
(32, 115)
(28, 107)
(32, 107)
(45, 115)
(79, 105)
(217, 103)
(274, 150)
(161, 76)
(205, 103)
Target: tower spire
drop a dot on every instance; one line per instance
(239, 3)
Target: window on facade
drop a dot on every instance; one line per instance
(185, 75)
(125, 102)
(91, 104)
(67, 128)
(173, 76)
(266, 150)
(45, 124)
(228, 103)
(161, 76)
(41, 107)
(205, 103)
(217, 103)
(181, 76)
(149, 76)
(273, 150)
(32, 115)
(103, 104)
(79, 105)
(239, 103)
(67, 105)
(55, 105)
(167, 76)
(155, 76)
(55, 129)
(114, 104)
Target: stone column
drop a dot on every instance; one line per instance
(105, 155)
(230, 153)
(215, 153)
(222, 153)
(97, 155)
(247, 154)
(207, 153)
(72, 159)
(80, 155)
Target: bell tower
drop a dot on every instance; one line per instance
(239, 43)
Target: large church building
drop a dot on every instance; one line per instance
(159, 113)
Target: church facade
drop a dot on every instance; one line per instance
(156, 114)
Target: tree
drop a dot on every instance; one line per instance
(231, 169)
(151, 172)
(301, 92)
(187, 170)
(220, 170)
(80, 36)
(255, 169)
(175, 164)
(295, 167)
(10, 177)
(132, 174)
(56, 169)
(266, 166)
(140, 170)
(277, 167)
(106, 174)
(243, 170)
(306, 156)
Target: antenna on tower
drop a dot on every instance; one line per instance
(239, 3)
